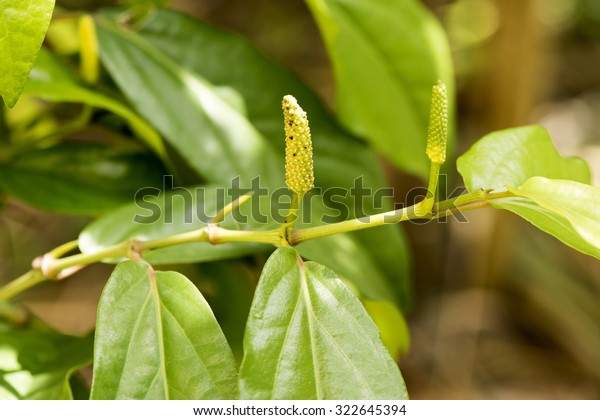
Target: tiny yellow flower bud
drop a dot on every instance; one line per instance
(438, 124)
(299, 175)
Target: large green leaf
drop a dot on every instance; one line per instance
(23, 25)
(203, 123)
(36, 363)
(309, 337)
(79, 179)
(568, 210)
(157, 338)
(50, 80)
(551, 191)
(386, 56)
(235, 64)
(510, 157)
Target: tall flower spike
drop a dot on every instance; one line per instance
(299, 174)
(438, 124)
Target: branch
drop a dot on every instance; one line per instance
(51, 267)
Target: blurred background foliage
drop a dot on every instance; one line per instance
(500, 310)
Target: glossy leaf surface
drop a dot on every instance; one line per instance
(552, 191)
(157, 338)
(568, 210)
(386, 57)
(259, 85)
(37, 363)
(309, 337)
(23, 25)
(205, 126)
(79, 178)
(510, 157)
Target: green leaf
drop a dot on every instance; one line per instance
(386, 57)
(37, 363)
(51, 81)
(213, 135)
(567, 210)
(23, 25)
(260, 84)
(79, 179)
(351, 259)
(157, 338)
(391, 324)
(308, 337)
(510, 157)
(551, 190)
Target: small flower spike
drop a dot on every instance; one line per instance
(438, 124)
(299, 174)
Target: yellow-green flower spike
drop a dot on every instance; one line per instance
(299, 175)
(438, 124)
(88, 47)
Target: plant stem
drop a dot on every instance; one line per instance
(52, 266)
(424, 207)
(395, 216)
(19, 285)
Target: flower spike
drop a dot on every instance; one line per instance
(299, 174)
(438, 124)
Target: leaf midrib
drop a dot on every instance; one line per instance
(310, 314)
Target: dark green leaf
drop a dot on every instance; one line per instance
(235, 65)
(510, 157)
(386, 57)
(37, 363)
(51, 81)
(157, 338)
(79, 179)
(308, 337)
(23, 25)
(213, 135)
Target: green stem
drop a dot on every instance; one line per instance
(56, 266)
(395, 216)
(19, 285)
(424, 207)
(52, 266)
(287, 226)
